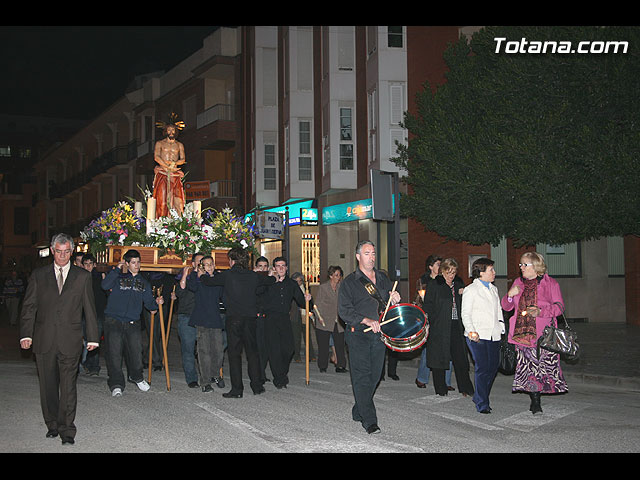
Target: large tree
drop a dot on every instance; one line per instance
(537, 147)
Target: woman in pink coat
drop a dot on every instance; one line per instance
(533, 297)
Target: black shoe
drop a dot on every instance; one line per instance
(157, 368)
(419, 384)
(324, 370)
(232, 395)
(394, 377)
(219, 381)
(67, 440)
(258, 392)
(193, 385)
(373, 429)
(341, 370)
(52, 433)
(207, 388)
(486, 410)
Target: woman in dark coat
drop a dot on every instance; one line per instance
(445, 343)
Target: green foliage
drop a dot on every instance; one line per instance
(536, 147)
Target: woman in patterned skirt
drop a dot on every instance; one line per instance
(534, 296)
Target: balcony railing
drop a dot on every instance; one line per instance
(116, 156)
(220, 111)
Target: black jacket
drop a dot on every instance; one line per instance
(276, 298)
(438, 303)
(240, 289)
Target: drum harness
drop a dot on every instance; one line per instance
(373, 291)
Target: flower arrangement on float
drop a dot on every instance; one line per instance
(183, 234)
(119, 225)
(193, 232)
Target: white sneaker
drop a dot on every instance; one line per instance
(143, 385)
(117, 392)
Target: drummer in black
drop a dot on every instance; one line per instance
(360, 310)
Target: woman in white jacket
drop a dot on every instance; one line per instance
(483, 326)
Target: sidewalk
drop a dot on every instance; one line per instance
(610, 355)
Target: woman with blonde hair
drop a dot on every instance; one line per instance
(537, 300)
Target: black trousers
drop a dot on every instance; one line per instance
(58, 393)
(458, 352)
(279, 342)
(241, 335)
(323, 337)
(366, 360)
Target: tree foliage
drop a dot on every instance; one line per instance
(538, 147)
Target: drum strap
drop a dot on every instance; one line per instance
(373, 291)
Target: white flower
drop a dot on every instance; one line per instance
(244, 243)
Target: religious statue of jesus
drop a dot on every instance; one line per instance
(167, 183)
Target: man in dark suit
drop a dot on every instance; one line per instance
(57, 295)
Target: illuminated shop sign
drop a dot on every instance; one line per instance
(309, 216)
(347, 212)
(295, 211)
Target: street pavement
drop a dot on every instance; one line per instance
(599, 414)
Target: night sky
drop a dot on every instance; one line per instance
(79, 71)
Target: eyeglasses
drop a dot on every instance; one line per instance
(526, 264)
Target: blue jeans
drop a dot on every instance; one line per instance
(188, 337)
(424, 371)
(486, 356)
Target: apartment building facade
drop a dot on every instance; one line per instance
(111, 158)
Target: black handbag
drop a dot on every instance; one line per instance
(560, 340)
(507, 364)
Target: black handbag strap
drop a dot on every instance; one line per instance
(564, 319)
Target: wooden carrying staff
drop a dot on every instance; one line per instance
(165, 360)
(306, 356)
(166, 343)
(395, 284)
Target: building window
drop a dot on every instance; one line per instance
(346, 137)
(287, 157)
(269, 167)
(396, 96)
(372, 118)
(346, 156)
(304, 168)
(345, 124)
(304, 161)
(394, 37)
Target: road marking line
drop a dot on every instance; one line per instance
(237, 423)
(466, 421)
(527, 422)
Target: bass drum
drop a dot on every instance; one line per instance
(407, 328)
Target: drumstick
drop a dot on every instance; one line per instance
(386, 321)
(395, 284)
